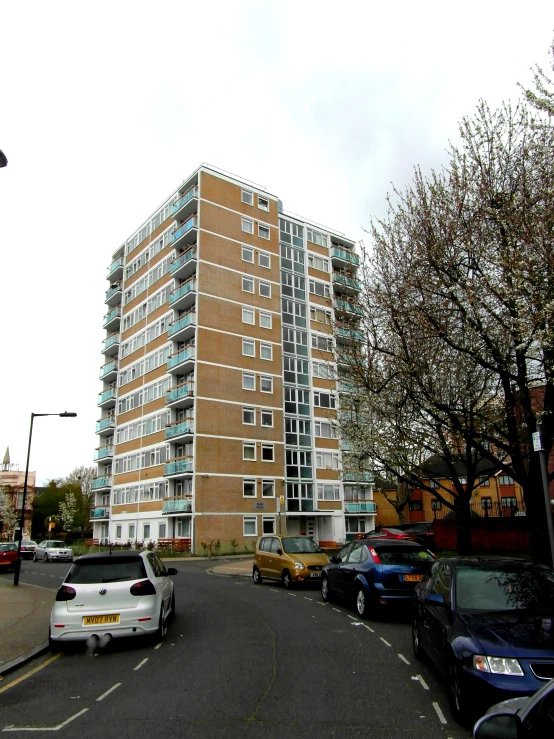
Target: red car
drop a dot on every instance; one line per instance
(387, 533)
(8, 556)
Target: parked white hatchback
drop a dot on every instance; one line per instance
(113, 595)
(53, 550)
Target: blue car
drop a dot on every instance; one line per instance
(375, 573)
(488, 625)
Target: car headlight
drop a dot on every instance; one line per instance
(497, 665)
(299, 565)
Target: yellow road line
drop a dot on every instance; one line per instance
(28, 674)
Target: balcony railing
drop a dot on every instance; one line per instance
(346, 281)
(484, 509)
(177, 263)
(97, 513)
(185, 228)
(348, 333)
(365, 507)
(186, 390)
(110, 341)
(178, 466)
(105, 423)
(102, 482)
(107, 395)
(179, 429)
(357, 476)
(346, 255)
(109, 368)
(181, 291)
(183, 356)
(112, 290)
(187, 197)
(111, 316)
(346, 306)
(103, 452)
(114, 266)
(183, 322)
(177, 505)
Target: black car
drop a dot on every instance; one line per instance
(532, 717)
(423, 532)
(488, 625)
(375, 573)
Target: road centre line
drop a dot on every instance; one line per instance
(28, 674)
(369, 628)
(292, 594)
(338, 610)
(108, 692)
(385, 641)
(158, 645)
(352, 617)
(321, 604)
(403, 659)
(306, 598)
(422, 681)
(440, 714)
(140, 664)
(274, 590)
(47, 728)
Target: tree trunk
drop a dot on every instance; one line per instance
(402, 514)
(463, 524)
(536, 513)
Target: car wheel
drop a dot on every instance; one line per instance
(34, 557)
(286, 580)
(325, 594)
(45, 557)
(162, 627)
(419, 654)
(172, 613)
(361, 603)
(54, 645)
(460, 706)
(256, 577)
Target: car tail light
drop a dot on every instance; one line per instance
(374, 555)
(66, 593)
(143, 587)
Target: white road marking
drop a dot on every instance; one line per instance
(440, 714)
(321, 604)
(159, 645)
(385, 642)
(140, 664)
(274, 590)
(403, 659)
(352, 617)
(369, 628)
(292, 594)
(46, 728)
(338, 610)
(420, 680)
(108, 692)
(306, 598)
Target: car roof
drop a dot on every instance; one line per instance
(485, 562)
(376, 541)
(109, 558)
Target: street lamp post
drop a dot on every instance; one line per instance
(17, 566)
(538, 447)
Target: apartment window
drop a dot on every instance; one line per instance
(509, 502)
(264, 260)
(325, 430)
(299, 464)
(318, 263)
(249, 526)
(248, 225)
(327, 460)
(297, 432)
(316, 237)
(247, 254)
(415, 505)
(146, 531)
(433, 484)
(319, 288)
(268, 488)
(248, 349)
(249, 416)
(268, 525)
(268, 453)
(263, 232)
(324, 400)
(505, 480)
(484, 481)
(249, 488)
(265, 289)
(436, 505)
(263, 203)
(323, 370)
(162, 531)
(293, 286)
(247, 197)
(486, 503)
(266, 351)
(131, 531)
(297, 401)
(328, 492)
(247, 284)
(462, 480)
(320, 315)
(265, 320)
(323, 343)
(248, 381)
(293, 313)
(248, 451)
(266, 384)
(267, 417)
(248, 316)
(118, 531)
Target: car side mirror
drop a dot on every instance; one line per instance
(434, 599)
(172, 571)
(499, 725)
(279, 551)
(335, 559)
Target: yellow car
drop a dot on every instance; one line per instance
(290, 559)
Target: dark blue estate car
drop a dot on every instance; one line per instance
(488, 625)
(376, 572)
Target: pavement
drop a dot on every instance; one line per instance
(25, 615)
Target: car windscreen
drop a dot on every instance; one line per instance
(504, 589)
(115, 570)
(300, 545)
(8, 547)
(403, 555)
(55, 544)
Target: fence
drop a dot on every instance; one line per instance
(506, 508)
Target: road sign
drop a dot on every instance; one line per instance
(260, 505)
(281, 499)
(537, 444)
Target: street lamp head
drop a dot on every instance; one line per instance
(65, 414)
(3, 159)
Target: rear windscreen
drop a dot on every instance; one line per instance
(111, 571)
(403, 555)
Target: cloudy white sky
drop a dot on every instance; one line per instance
(106, 107)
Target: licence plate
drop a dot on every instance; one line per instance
(112, 618)
(413, 578)
(315, 574)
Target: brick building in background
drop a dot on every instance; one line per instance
(221, 374)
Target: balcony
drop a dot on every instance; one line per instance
(179, 429)
(110, 346)
(183, 296)
(346, 284)
(364, 477)
(100, 514)
(183, 328)
(176, 506)
(182, 362)
(300, 505)
(182, 466)
(102, 483)
(113, 294)
(347, 335)
(112, 319)
(344, 305)
(104, 452)
(186, 234)
(105, 424)
(340, 257)
(186, 205)
(115, 270)
(107, 398)
(184, 265)
(355, 507)
(109, 370)
(180, 396)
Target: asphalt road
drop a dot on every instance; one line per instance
(239, 662)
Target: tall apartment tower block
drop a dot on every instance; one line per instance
(221, 375)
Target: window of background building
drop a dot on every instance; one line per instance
(247, 197)
(248, 451)
(263, 203)
(266, 351)
(249, 488)
(248, 225)
(264, 260)
(268, 488)
(267, 417)
(248, 348)
(248, 381)
(263, 232)
(265, 289)
(249, 526)
(266, 384)
(249, 416)
(247, 254)
(248, 316)
(268, 453)
(247, 284)
(265, 320)
(268, 525)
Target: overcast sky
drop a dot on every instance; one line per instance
(106, 107)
